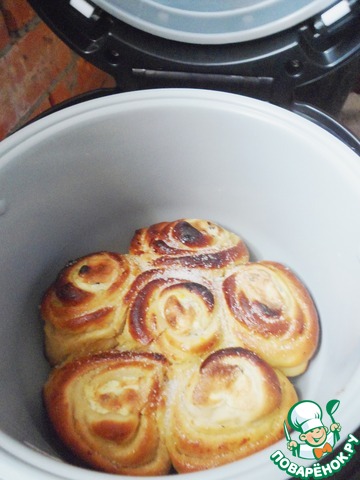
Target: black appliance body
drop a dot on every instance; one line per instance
(314, 62)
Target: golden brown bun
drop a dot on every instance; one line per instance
(273, 314)
(107, 407)
(176, 352)
(120, 414)
(189, 243)
(231, 405)
(84, 310)
(174, 312)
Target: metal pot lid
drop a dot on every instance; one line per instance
(214, 21)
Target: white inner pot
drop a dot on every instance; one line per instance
(83, 179)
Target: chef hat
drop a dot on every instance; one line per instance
(305, 415)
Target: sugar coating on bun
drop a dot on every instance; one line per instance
(175, 354)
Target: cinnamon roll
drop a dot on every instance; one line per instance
(83, 309)
(107, 408)
(229, 406)
(189, 243)
(174, 312)
(272, 313)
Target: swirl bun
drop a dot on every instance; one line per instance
(189, 243)
(107, 408)
(84, 310)
(175, 354)
(273, 314)
(223, 409)
(173, 312)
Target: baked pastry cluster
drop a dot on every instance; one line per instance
(176, 354)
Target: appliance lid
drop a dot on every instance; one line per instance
(214, 22)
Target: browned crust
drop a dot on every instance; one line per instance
(70, 312)
(296, 330)
(197, 249)
(198, 446)
(138, 324)
(150, 456)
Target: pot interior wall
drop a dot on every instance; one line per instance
(84, 179)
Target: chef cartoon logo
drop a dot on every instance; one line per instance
(313, 436)
(316, 439)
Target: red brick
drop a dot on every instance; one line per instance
(4, 34)
(8, 117)
(43, 57)
(109, 82)
(28, 71)
(17, 13)
(60, 93)
(64, 89)
(80, 78)
(44, 105)
(11, 102)
(90, 78)
(44, 52)
(38, 70)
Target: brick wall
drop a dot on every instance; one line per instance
(37, 70)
